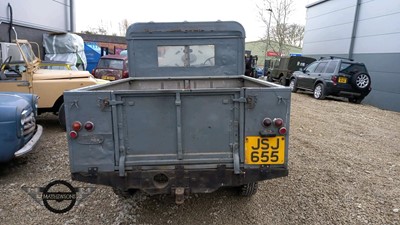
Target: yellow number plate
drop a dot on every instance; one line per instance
(265, 150)
(342, 80)
(108, 78)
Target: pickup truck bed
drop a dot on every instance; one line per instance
(193, 128)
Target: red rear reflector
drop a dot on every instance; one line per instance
(278, 122)
(282, 130)
(73, 134)
(76, 126)
(89, 126)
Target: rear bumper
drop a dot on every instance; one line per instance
(345, 90)
(193, 181)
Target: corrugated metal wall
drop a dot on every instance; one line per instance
(329, 30)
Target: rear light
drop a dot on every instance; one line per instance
(73, 134)
(282, 130)
(278, 122)
(93, 72)
(334, 79)
(125, 74)
(267, 122)
(89, 126)
(76, 126)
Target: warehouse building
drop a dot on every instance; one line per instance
(31, 23)
(33, 19)
(364, 30)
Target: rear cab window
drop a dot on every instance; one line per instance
(352, 68)
(186, 56)
(111, 63)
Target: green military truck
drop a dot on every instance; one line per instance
(281, 70)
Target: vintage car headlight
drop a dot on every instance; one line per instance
(35, 104)
(23, 117)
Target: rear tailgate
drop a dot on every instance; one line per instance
(175, 128)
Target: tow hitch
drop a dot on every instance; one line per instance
(179, 195)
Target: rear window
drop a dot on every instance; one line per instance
(186, 56)
(351, 68)
(111, 63)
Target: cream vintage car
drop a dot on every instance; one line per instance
(49, 85)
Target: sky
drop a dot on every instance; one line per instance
(109, 14)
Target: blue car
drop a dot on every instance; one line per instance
(19, 132)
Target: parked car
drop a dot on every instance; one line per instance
(334, 76)
(282, 69)
(19, 132)
(112, 67)
(49, 85)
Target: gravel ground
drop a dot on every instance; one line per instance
(344, 164)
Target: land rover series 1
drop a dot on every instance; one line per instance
(187, 120)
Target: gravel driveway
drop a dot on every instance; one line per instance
(344, 168)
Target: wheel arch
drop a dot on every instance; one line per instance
(319, 82)
(58, 103)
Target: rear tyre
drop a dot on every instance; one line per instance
(356, 100)
(283, 81)
(293, 85)
(319, 91)
(269, 78)
(249, 189)
(61, 116)
(124, 193)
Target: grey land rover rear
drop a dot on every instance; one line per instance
(191, 123)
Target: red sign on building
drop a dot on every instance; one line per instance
(271, 53)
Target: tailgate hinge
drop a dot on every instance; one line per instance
(106, 102)
(250, 100)
(241, 99)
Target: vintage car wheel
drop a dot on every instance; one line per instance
(61, 116)
(248, 189)
(282, 81)
(269, 78)
(319, 91)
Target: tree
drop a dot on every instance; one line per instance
(278, 29)
(105, 28)
(295, 35)
(123, 27)
(100, 29)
